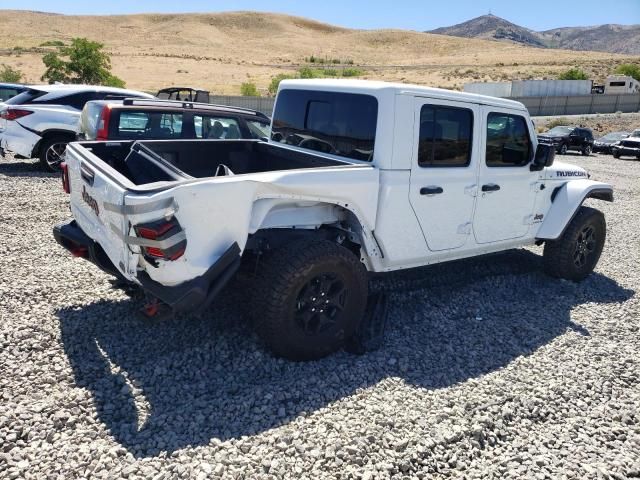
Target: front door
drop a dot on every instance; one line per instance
(444, 171)
(507, 186)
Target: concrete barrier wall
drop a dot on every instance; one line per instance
(537, 106)
(261, 104)
(580, 104)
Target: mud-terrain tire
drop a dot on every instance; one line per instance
(575, 254)
(311, 297)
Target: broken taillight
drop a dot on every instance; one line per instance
(162, 230)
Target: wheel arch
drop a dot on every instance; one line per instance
(566, 200)
(276, 219)
(48, 134)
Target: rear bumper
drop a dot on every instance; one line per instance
(19, 140)
(189, 296)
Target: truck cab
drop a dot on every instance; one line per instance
(356, 177)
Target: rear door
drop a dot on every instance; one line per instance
(507, 187)
(97, 200)
(444, 170)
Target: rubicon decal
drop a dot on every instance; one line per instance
(89, 200)
(571, 173)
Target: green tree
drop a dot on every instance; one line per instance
(249, 89)
(629, 69)
(10, 75)
(573, 74)
(81, 62)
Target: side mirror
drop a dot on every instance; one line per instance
(545, 154)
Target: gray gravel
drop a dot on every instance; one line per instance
(489, 370)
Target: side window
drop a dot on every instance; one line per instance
(219, 128)
(7, 92)
(445, 136)
(77, 100)
(133, 124)
(508, 141)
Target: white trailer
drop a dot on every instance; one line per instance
(618, 84)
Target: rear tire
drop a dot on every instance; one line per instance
(52, 152)
(575, 254)
(312, 296)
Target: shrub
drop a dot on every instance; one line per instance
(52, 43)
(629, 69)
(275, 82)
(573, 74)
(10, 75)
(352, 72)
(249, 89)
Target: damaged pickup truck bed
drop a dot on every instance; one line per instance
(357, 177)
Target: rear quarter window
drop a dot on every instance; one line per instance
(341, 124)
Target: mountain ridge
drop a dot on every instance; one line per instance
(612, 38)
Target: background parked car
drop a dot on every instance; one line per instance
(9, 90)
(566, 138)
(40, 121)
(139, 119)
(604, 143)
(627, 147)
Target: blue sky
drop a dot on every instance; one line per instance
(409, 14)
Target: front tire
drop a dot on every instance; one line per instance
(312, 296)
(563, 149)
(616, 154)
(575, 254)
(586, 151)
(52, 152)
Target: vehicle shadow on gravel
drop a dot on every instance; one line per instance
(25, 168)
(162, 386)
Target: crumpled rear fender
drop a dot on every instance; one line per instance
(566, 201)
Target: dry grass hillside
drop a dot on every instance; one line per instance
(221, 51)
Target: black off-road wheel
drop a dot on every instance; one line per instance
(563, 149)
(312, 296)
(616, 154)
(575, 254)
(586, 151)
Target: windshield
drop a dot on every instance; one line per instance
(25, 97)
(613, 136)
(560, 131)
(635, 134)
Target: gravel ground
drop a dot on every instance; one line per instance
(489, 369)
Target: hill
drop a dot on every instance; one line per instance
(603, 38)
(220, 51)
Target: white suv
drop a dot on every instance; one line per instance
(40, 121)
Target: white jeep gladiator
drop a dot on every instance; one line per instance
(357, 177)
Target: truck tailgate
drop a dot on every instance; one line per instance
(96, 203)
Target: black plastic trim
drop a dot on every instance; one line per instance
(198, 293)
(69, 235)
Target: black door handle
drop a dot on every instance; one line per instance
(490, 187)
(430, 190)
